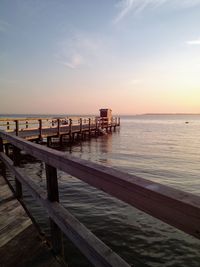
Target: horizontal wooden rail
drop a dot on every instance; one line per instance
(48, 118)
(95, 250)
(175, 207)
(23, 119)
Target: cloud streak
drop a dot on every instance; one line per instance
(194, 42)
(137, 6)
(78, 50)
(74, 61)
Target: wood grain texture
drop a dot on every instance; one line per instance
(27, 249)
(13, 218)
(20, 243)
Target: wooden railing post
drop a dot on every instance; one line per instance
(96, 126)
(3, 165)
(102, 122)
(119, 121)
(16, 161)
(58, 121)
(89, 126)
(49, 141)
(81, 125)
(8, 125)
(16, 127)
(53, 195)
(70, 129)
(40, 129)
(115, 123)
(7, 149)
(1, 144)
(26, 124)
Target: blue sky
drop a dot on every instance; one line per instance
(135, 56)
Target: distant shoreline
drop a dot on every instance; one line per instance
(170, 114)
(93, 115)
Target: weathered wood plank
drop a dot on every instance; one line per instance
(20, 244)
(94, 249)
(4, 192)
(13, 218)
(27, 249)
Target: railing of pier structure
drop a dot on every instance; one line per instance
(175, 207)
(37, 128)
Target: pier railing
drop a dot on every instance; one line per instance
(175, 207)
(23, 124)
(37, 128)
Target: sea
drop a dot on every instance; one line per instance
(161, 148)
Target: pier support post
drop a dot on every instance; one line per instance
(89, 127)
(8, 125)
(49, 141)
(61, 140)
(58, 121)
(40, 129)
(81, 126)
(53, 195)
(7, 149)
(17, 127)
(1, 144)
(70, 130)
(3, 165)
(16, 161)
(73, 137)
(96, 126)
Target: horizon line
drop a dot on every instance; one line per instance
(89, 114)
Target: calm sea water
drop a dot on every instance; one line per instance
(161, 148)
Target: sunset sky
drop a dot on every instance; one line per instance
(76, 56)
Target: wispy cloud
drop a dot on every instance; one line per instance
(73, 61)
(136, 6)
(194, 42)
(124, 6)
(78, 50)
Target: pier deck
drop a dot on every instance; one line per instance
(20, 244)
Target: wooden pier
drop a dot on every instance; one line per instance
(175, 207)
(63, 128)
